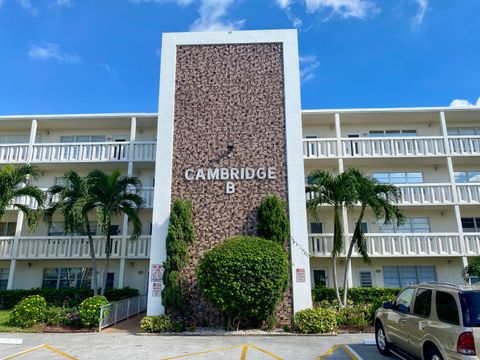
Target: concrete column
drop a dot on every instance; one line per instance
(13, 262)
(33, 134)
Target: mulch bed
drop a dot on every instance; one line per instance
(63, 329)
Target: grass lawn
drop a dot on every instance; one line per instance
(4, 327)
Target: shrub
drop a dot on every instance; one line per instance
(313, 321)
(357, 295)
(90, 310)
(272, 221)
(472, 269)
(354, 315)
(28, 311)
(180, 234)
(374, 305)
(61, 297)
(55, 316)
(245, 277)
(156, 324)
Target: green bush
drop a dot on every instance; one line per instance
(180, 234)
(28, 311)
(245, 277)
(472, 269)
(272, 220)
(156, 324)
(357, 295)
(354, 315)
(90, 310)
(61, 297)
(314, 321)
(55, 316)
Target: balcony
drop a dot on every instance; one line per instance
(78, 152)
(395, 245)
(71, 247)
(468, 193)
(420, 194)
(397, 147)
(464, 145)
(319, 148)
(147, 195)
(472, 243)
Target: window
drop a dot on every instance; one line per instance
(391, 133)
(467, 176)
(423, 303)
(62, 278)
(447, 309)
(14, 139)
(471, 224)
(411, 225)
(7, 228)
(312, 148)
(82, 138)
(316, 228)
(403, 301)
(398, 177)
(470, 301)
(402, 276)
(4, 277)
(110, 281)
(56, 229)
(365, 277)
(459, 131)
(319, 277)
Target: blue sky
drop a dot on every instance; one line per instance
(88, 56)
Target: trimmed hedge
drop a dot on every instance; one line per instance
(156, 324)
(315, 321)
(357, 295)
(245, 277)
(61, 297)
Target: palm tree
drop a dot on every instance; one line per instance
(15, 183)
(76, 217)
(113, 194)
(381, 199)
(339, 192)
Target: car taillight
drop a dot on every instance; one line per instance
(466, 344)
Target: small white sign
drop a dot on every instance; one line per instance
(157, 272)
(300, 275)
(156, 289)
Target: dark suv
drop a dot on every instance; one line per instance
(432, 321)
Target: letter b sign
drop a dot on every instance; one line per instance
(229, 187)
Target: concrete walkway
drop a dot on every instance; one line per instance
(129, 326)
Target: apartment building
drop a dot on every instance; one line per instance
(235, 105)
(431, 154)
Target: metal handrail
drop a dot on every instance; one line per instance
(116, 311)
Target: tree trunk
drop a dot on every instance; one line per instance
(107, 262)
(348, 260)
(92, 256)
(335, 283)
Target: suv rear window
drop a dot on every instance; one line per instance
(423, 302)
(471, 308)
(447, 309)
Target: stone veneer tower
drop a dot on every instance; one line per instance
(229, 133)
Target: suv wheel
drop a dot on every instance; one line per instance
(434, 354)
(381, 340)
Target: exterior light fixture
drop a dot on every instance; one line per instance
(229, 150)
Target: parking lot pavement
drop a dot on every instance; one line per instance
(126, 346)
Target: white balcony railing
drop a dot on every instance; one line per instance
(144, 151)
(139, 248)
(398, 146)
(464, 145)
(13, 153)
(6, 247)
(472, 243)
(418, 194)
(426, 194)
(73, 152)
(468, 193)
(147, 195)
(319, 148)
(64, 247)
(384, 245)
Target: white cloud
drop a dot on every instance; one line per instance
(360, 9)
(27, 5)
(308, 66)
(417, 20)
(211, 14)
(283, 3)
(52, 51)
(464, 103)
(64, 3)
(178, 2)
(110, 71)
